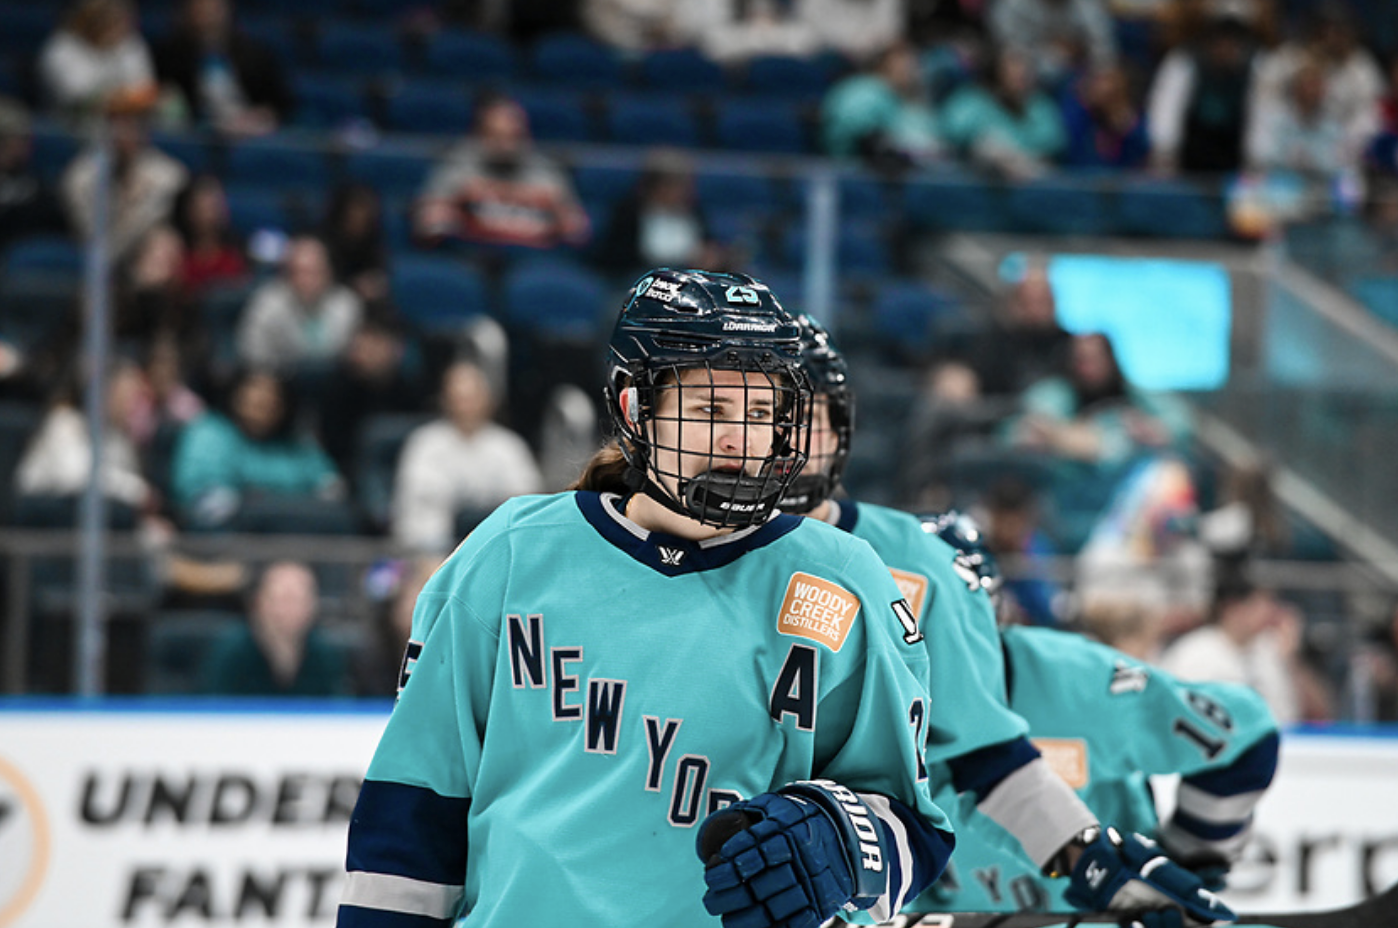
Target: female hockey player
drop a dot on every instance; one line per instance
(1111, 722)
(603, 680)
(973, 738)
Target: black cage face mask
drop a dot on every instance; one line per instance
(721, 445)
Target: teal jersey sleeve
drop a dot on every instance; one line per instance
(583, 693)
(1106, 722)
(966, 677)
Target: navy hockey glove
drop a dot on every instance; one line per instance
(793, 858)
(1128, 873)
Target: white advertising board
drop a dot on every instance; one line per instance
(140, 816)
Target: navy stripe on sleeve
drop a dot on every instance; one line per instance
(980, 771)
(1252, 771)
(1209, 831)
(408, 831)
(352, 916)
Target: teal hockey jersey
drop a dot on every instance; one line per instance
(1106, 722)
(965, 665)
(582, 693)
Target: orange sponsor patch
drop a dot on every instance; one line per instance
(913, 587)
(817, 609)
(1067, 757)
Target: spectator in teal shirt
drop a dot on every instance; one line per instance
(883, 116)
(280, 651)
(1006, 124)
(222, 459)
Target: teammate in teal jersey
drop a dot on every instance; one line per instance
(1119, 723)
(975, 741)
(601, 682)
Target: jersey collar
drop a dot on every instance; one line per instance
(669, 554)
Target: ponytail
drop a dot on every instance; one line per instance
(605, 472)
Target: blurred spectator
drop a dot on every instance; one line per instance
(1298, 133)
(150, 295)
(1323, 83)
(1382, 151)
(1091, 414)
(639, 25)
(1060, 37)
(1005, 124)
(1198, 100)
(373, 375)
(58, 460)
(1013, 533)
(858, 30)
(1105, 127)
(224, 78)
(167, 403)
(884, 116)
(1024, 343)
(353, 230)
(463, 460)
(1124, 623)
(1252, 638)
(1246, 519)
(27, 204)
(281, 651)
(1373, 680)
(494, 188)
(96, 62)
(213, 253)
(660, 223)
(732, 31)
(303, 317)
(144, 184)
(380, 668)
(252, 447)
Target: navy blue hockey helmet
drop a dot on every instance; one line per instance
(680, 320)
(829, 376)
(974, 561)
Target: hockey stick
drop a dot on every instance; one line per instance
(1379, 911)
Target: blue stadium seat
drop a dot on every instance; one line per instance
(47, 254)
(1170, 209)
(605, 182)
(36, 303)
(393, 172)
(953, 201)
(277, 33)
(680, 70)
(719, 192)
(651, 119)
(759, 124)
(24, 27)
(195, 151)
(352, 48)
(863, 196)
(861, 248)
(573, 60)
(1061, 205)
(804, 78)
(556, 114)
(437, 294)
(252, 207)
(54, 149)
(555, 298)
(276, 163)
(471, 56)
(328, 101)
(179, 645)
(430, 107)
(904, 314)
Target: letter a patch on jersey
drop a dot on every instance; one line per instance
(817, 609)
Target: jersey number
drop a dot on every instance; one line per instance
(1192, 730)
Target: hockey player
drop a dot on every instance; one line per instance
(1118, 723)
(601, 681)
(972, 737)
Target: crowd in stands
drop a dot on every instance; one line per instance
(269, 339)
